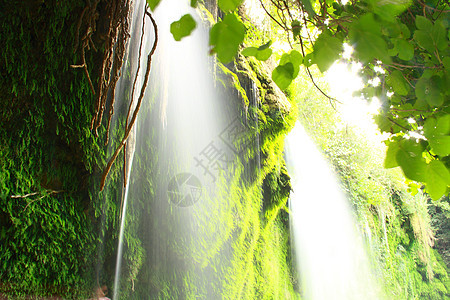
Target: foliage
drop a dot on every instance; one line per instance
(49, 159)
(398, 227)
(408, 40)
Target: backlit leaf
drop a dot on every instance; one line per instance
(182, 27)
(326, 50)
(365, 35)
(414, 168)
(398, 83)
(153, 4)
(438, 178)
(261, 53)
(429, 90)
(226, 36)
(440, 145)
(283, 75)
(391, 155)
(228, 5)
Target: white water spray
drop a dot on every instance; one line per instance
(329, 253)
(181, 143)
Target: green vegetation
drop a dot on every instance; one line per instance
(407, 40)
(398, 226)
(50, 213)
(58, 233)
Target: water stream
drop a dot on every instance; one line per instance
(184, 145)
(328, 250)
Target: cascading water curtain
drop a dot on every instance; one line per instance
(328, 251)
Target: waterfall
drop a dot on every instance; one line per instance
(328, 251)
(184, 148)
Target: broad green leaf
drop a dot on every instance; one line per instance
(153, 4)
(443, 124)
(229, 5)
(437, 126)
(413, 167)
(438, 34)
(293, 57)
(405, 49)
(391, 155)
(423, 23)
(429, 90)
(438, 178)
(383, 123)
(283, 75)
(423, 39)
(388, 10)
(250, 51)
(398, 83)
(431, 37)
(182, 27)
(193, 3)
(365, 35)
(440, 145)
(261, 53)
(411, 147)
(226, 36)
(326, 50)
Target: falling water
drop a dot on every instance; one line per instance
(184, 141)
(328, 251)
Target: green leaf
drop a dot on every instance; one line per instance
(391, 155)
(446, 62)
(413, 167)
(438, 178)
(283, 75)
(388, 10)
(153, 4)
(423, 39)
(405, 49)
(365, 35)
(439, 35)
(429, 36)
(326, 50)
(193, 3)
(423, 23)
(295, 58)
(226, 36)
(440, 145)
(261, 53)
(429, 90)
(307, 4)
(398, 83)
(437, 126)
(182, 27)
(229, 5)
(411, 147)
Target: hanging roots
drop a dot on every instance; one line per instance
(115, 45)
(117, 35)
(90, 14)
(129, 126)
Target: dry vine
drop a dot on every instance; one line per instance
(138, 104)
(115, 46)
(91, 14)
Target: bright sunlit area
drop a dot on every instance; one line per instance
(344, 83)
